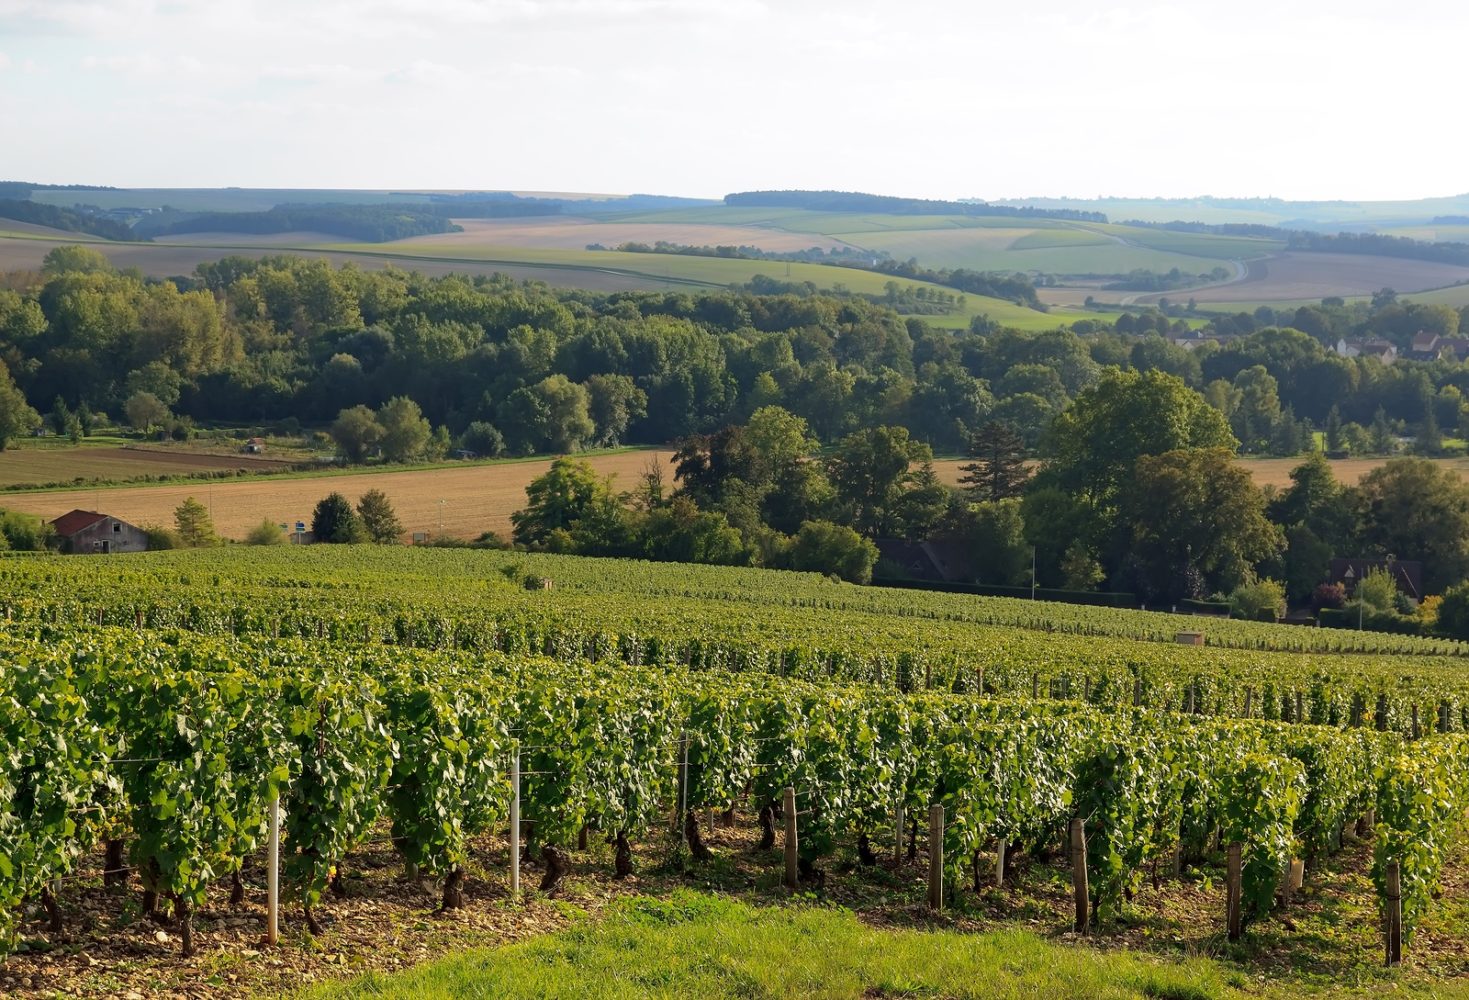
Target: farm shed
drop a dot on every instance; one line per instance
(84, 532)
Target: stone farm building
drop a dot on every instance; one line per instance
(84, 532)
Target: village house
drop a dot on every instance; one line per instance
(85, 532)
(1431, 347)
(1382, 350)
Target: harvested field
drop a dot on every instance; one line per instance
(1314, 276)
(1276, 471)
(571, 233)
(468, 500)
(1266, 471)
(58, 465)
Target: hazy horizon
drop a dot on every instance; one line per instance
(929, 99)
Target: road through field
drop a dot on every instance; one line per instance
(457, 502)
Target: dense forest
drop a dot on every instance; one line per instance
(66, 219)
(367, 223)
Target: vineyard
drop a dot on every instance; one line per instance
(159, 712)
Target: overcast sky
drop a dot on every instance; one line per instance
(936, 98)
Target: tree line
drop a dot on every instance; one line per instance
(498, 366)
(365, 223)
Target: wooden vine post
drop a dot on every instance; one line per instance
(515, 823)
(793, 870)
(1000, 847)
(900, 828)
(936, 857)
(1234, 890)
(1295, 877)
(273, 875)
(1080, 890)
(1394, 913)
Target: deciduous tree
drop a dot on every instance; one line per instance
(379, 521)
(405, 432)
(357, 433)
(16, 415)
(1195, 510)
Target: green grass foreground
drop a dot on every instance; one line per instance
(697, 945)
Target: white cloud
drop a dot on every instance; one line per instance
(927, 97)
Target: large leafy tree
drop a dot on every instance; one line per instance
(569, 509)
(357, 433)
(873, 474)
(379, 520)
(1194, 514)
(406, 434)
(16, 415)
(614, 402)
(145, 411)
(552, 415)
(1319, 518)
(1093, 447)
(1412, 508)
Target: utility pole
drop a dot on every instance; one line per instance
(1032, 572)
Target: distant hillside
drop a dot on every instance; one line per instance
(365, 223)
(1373, 244)
(855, 201)
(1327, 216)
(64, 218)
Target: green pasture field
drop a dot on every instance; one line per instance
(716, 272)
(1455, 295)
(993, 243)
(1193, 244)
(1043, 239)
(960, 249)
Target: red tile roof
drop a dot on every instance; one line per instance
(70, 523)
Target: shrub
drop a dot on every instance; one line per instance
(1453, 611)
(483, 439)
(266, 533)
(1254, 599)
(1378, 589)
(160, 537)
(1331, 596)
(824, 547)
(24, 533)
